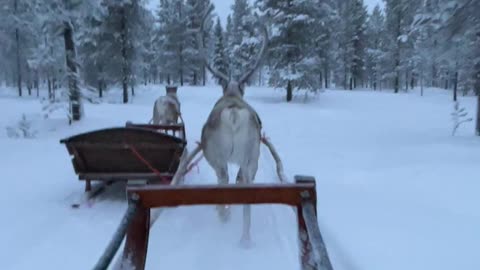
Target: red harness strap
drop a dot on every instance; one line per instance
(164, 179)
(264, 138)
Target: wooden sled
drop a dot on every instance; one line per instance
(135, 223)
(135, 152)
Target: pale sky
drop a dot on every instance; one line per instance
(222, 7)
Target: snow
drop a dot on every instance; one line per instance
(395, 189)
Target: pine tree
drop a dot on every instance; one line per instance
(290, 46)
(171, 38)
(375, 39)
(228, 42)
(399, 18)
(325, 18)
(359, 16)
(194, 11)
(60, 17)
(220, 59)
(121, 27)
(242, 43)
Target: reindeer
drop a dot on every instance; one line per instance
(232, 132)
(166, 109)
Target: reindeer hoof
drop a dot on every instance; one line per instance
(246, 242)
(223, 213)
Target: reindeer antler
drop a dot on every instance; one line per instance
(203, 53)
(263, 49)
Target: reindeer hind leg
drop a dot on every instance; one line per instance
(222, 177)
(247, 175)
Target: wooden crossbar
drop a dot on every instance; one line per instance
(301, 195)
(168, 196)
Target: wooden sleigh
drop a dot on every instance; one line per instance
(150, 153)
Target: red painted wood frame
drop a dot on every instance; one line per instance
(153, 196)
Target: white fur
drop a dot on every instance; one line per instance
(235, 125)
(162, 112)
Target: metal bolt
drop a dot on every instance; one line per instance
(305, 194)
(135, 196)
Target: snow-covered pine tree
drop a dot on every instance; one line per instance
(325, 18)
(290, 47)
(399, 16)
(121, 27)
(228, 42)
(93, 49)
(463, 20)
(171, 39)
(375, 35)
(195, 66)
(343, 36)
(146, 65)
(219, 58)
(19, 34)
(60, 17)
(359, 17)
(243, 41)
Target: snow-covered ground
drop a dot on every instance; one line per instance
(395, 189)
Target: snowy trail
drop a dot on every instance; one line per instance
(395, 190)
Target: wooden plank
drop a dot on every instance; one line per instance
(119, 176)
(175, 127)
(306, 250)
(123, 134)
(153, 196)
(138, 145)
(78, 159)
(136, 245)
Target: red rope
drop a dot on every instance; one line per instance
(144, 161)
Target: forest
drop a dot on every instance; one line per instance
(78, 49)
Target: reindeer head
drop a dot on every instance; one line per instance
(232, 87)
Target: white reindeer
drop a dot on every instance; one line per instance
(232, 132)
(166, 109)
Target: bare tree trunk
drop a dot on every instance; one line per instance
(70, 55)
(204, 75)
(320, 78)
(50, 90)
(325, 72)
(100, 89)
(421, 83)
(29, 80)
(446, 81)
(397, 53)
(181, 66)
(406, 81)
(260, 77)
(195, 78)
(145, 76)
(17, 41)
(125, 72)
(37, 82)
(477, 127)
(289, 91)
(455, 85)
(412, 80)
(477, 91)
